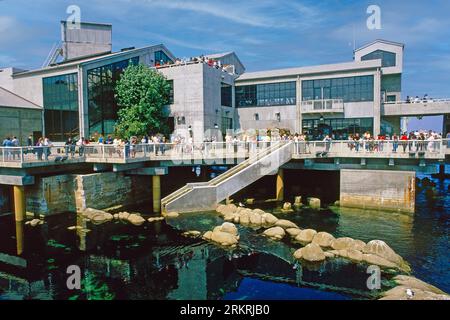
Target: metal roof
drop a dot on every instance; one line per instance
(89, 59)
(326, 68)
(381, 41)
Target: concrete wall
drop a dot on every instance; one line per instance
(19, 122)
(63, 193)
(267, 117)
(378, 189)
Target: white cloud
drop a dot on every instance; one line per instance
(263, 14)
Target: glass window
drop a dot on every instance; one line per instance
(340, 129)
(60, 95)
(102, 106)
(387, 58)
(161, 58)
(226, 96)
(270, 94)
(350, 89)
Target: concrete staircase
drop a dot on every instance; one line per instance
(205, 196)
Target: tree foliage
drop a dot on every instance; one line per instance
(141, 95)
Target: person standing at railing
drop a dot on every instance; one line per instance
(327, 141)
(411, 138)
(7, 144)
(394, 143)
(70, 147)
(39, 148)
(404, 141)
(47, 148)
(16, 152)
(448, 139)
(80, 144)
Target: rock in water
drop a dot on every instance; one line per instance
(314, 203)
(224, 238)
(306, 236)
(287, 206)
(380, 248)
(153, 219)
(123, 215)
(275, 233)
(293, 232)
(312, 252)
(342, 243)
(377, 260)
(135, 219)
(207, 235)
(171, 215)
(285, 224)
(255, 218)
(269, 219)
(229, 228)
(35, 222)
(323, 239)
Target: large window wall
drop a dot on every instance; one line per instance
(270, 94)
(162, 58)
(338, 129)
(102, 105)
(349, 89)
(387, 58)
(61, 106)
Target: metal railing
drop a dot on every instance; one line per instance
(326, 105)
(214, 150)
(420, 100)
(373, 148)
(33, 154)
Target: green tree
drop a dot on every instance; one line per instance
(141, 95)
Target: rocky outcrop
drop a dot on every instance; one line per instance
(287, 208)
(171, 215)
(314, 203)
(154, 219)
(225, 235)
(96, 216)
(135, 219)
(286, 224)
(293, 232)
(312, 252)
(323, 239)
(192, 234)
(275, 233)
(306, 236)
(410, 288)
(381, 249)
(347, 243)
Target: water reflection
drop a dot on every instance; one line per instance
(153, 261)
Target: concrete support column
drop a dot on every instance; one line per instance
(19, 203)
(377, 103)
(156, 188)
(280, 185)
(378, 189)
(19, 237)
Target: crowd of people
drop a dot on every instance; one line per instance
(201, 59)
(415, 141)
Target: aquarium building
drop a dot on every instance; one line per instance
(74, 89)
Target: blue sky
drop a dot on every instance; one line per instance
(266, 34)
